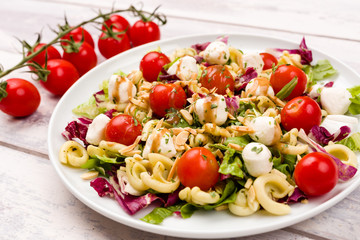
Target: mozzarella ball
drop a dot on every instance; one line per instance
(335, 100)
(211, 109)
(333, 123)
(160, 142)
(96, 130)
(120, 89)
(253, 60)
(257, 159)
(263, 88)
(217, 53)
(185, 68)
(266, 130)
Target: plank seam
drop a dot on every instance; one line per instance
(24, 150)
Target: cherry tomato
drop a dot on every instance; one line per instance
(83, 60)
(163, 97)
(316, 174)
(117, 21)
(301, 112)
(217, 76)
(52, 53)
(151, 65)
(62, 75)
(283, 75)
(144, 32)
(269, 60)
(123, 129)
(198, 167)
(113, 43)
(78, 34)
(22, 98)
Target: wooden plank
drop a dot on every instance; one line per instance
(35, 203)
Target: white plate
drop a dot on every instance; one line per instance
(202, 224)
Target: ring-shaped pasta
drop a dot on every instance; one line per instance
(272, 185)
(157, 180)
(343, 153)
(73, 153)
(134, 169)
(290, 149)
(197, 196)
(245, 203)
(94, 151)
(265, 103)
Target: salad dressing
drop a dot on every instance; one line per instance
(259, 87)
(157, 140)
(116, 91)
(210, 108)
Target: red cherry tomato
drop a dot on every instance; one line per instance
(117, 21)
(198, 167)
(123, 129)
(316, 174)
(144, 32)
(283, 75)
(269, 60)
(22, 98)
(110, 45)
(52, 53)
(163, 97)
(217, 76)
(78, 34)
(83, 60)
(62, 75)
(301, 112)
(151, 65)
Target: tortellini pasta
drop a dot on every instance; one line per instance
(73, 153)
(197, 196)
(245, 203)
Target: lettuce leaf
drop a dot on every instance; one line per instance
(88, 109)
(352, 142)
(157, 215)
(231, 164)
(323, 69)
(354, 107)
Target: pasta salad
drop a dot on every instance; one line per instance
(212, 127)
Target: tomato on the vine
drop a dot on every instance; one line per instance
(217, 76)
(50, 53)
(144, 32)
(269, 60)
(151, 65)
(123, 129)
(77, 35)
(118, 22)
(83, 60)
(198, 167)
(301, 112)
(164, 97)
(18, 97)
(316, 174)
(283, 75)
(113, 42)
(62, 75)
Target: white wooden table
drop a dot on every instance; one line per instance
(34, 203)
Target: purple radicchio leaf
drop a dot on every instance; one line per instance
(303, 51)
(232, 104)
(296, 197)
(77, 129)
(166, 77)
(99, 96)
(329, 84)
(243, 80)
(345, 171)
(322, 136)
(130, 204)
(109, 113)
(199, 47)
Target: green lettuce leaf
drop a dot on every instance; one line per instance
(231, 164)
(352, 142)
(88, 109)
(354, 107)
(242, 141)
(323, 69)
(157, 215)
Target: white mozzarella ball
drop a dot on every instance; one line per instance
(335, 100)
(120, 89)
(333, 123)
(266, 130)
(96, 130)
(257, 159)
(185, 68)
(217, 52)
(253, 60)
(263, 88)
(211, 109)
(160, 142)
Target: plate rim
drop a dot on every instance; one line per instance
(158, 229)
